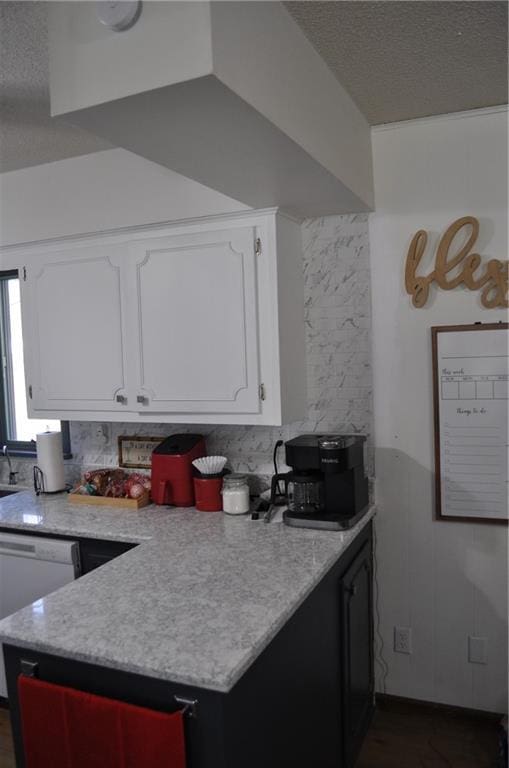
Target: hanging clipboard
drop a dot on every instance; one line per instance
(470, 398)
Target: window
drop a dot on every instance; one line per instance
(17, 430)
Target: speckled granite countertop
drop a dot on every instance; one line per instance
(196, 602)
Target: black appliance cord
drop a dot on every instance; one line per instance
(274, 459)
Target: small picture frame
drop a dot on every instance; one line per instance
(135, 451)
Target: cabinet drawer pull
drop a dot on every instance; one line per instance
(29, 668)
(142, 399)
(122, 399)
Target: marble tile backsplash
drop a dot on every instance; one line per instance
(338, 332)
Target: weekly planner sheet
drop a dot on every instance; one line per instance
(471, 397)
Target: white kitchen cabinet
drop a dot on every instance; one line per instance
(72, 302)
(195, 328)
(199, 321)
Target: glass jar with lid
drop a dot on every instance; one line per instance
(235, 494)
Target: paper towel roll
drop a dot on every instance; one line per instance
(50, 460)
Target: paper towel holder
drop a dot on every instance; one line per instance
(39, 482)
(49, 474)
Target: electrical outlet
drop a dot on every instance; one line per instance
(101, 432)
(477, 650)
(402, 640)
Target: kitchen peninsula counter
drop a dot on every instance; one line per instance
(241, 619)
(196, 602)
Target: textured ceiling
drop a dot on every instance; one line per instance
(28, 135)
(398, 60)
(402, 60)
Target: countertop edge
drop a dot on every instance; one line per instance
(224, 683)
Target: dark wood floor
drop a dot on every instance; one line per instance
(411, 735)
(402, 736)
(6, 754)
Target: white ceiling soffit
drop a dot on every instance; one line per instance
(230, 94)
(28, 135)
(404, 60)
(398, 60)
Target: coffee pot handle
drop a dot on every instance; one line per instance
(274, 486)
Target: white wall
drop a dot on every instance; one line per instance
(444, 580)
(104, 190)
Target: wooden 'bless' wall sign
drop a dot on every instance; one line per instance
(492, 279)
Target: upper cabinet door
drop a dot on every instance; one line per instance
(72, 327)
(196, 329)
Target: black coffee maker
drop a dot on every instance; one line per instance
(327, 487)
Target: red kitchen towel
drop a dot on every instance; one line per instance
(65, 728)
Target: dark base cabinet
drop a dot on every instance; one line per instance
(306, 701)
(357, 652)
(95, 552)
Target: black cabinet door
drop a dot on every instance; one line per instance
(357, 669)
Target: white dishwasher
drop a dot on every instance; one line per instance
(30, 568)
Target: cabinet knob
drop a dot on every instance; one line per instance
(122, 399)
(142, 399)
(351, 590)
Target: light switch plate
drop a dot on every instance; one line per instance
(477, 653)
(403, 640)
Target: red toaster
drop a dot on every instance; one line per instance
(172, 470)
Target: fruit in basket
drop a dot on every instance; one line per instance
(136, 491)
(144, 480)
(87, 489)
(114, 483)
(114, 489)
(100, 483)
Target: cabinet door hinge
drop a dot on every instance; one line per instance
(258, 246)
(30, 391)
(261, 392)
(24, 274)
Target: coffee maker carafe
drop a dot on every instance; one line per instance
(304, 491)
(327, 487)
